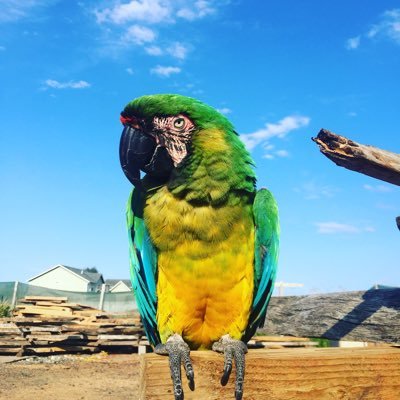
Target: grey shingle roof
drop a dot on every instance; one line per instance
(113, 282)
(90, 276)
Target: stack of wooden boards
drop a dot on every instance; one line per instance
(279, 342)
(52, 325)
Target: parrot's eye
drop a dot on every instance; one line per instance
(179, 123)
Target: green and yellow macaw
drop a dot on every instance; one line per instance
(203, 241)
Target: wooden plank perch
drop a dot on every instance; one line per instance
(300, 374)
(368, 160)
(371, 316)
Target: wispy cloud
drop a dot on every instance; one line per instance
(149, 11)
(224, 110)
(337, 227)
(388, 27)
(155, 11)
(130, 71)
(67, 85)
(353, 43)
(140, 22)
(378, 188)
(139, 35)
(271, 152)
(312, 190)
(2, 48)
(277, 130)
(178, 50)
(199, 9)
(154, 50)
(282, 153)
(14, 10)
(165, 71)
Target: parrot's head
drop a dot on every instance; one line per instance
(159, 130)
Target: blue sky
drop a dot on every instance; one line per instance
(279, 70)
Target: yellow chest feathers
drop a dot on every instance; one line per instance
(173, 222)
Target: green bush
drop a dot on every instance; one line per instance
(5, 309)
(322, 342)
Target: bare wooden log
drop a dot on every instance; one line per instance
(371, 316)
(300, 374)
(368, 160)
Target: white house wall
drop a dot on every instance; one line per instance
(62, 279)
(120, 287)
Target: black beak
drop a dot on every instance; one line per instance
(136, 150)
(139, 151)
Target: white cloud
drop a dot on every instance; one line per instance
(271, 153)
(178, 50)
(378, 188)
(336, 227)
(198, 10)
(282, 153)
(352, 114)
(129, 70)
(154, 51)
(224, 110)
(67, 85)
(13, 10)
(388, 26)
(279, 130)
(2, 48)
(149, 11)
(314, 191)
(139, 35)
(353, 43)
(165, 71)
(118, 15)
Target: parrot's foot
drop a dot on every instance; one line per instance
(232, 349)
(178, 352)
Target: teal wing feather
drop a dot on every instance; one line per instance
(266, 221)
(143, 266)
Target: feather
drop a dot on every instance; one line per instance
(143, 266)
(266, 222)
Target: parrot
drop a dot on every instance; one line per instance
(203, 241)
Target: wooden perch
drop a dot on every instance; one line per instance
(301, 374)
(368, 160)
(371, 316)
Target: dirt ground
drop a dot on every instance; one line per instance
(95, 377)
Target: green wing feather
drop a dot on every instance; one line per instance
(143, 266)
(266, 221)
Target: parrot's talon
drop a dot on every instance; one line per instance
(179, 353)
(233, 350)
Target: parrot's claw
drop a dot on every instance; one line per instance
(233, 350)
(178, 352)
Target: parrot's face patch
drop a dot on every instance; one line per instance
(173, 133)
(155, 147)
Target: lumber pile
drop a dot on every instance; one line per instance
(279, 342)
(52, 325)
(44, 306)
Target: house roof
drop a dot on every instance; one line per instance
(113, 282)
(91, 277)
